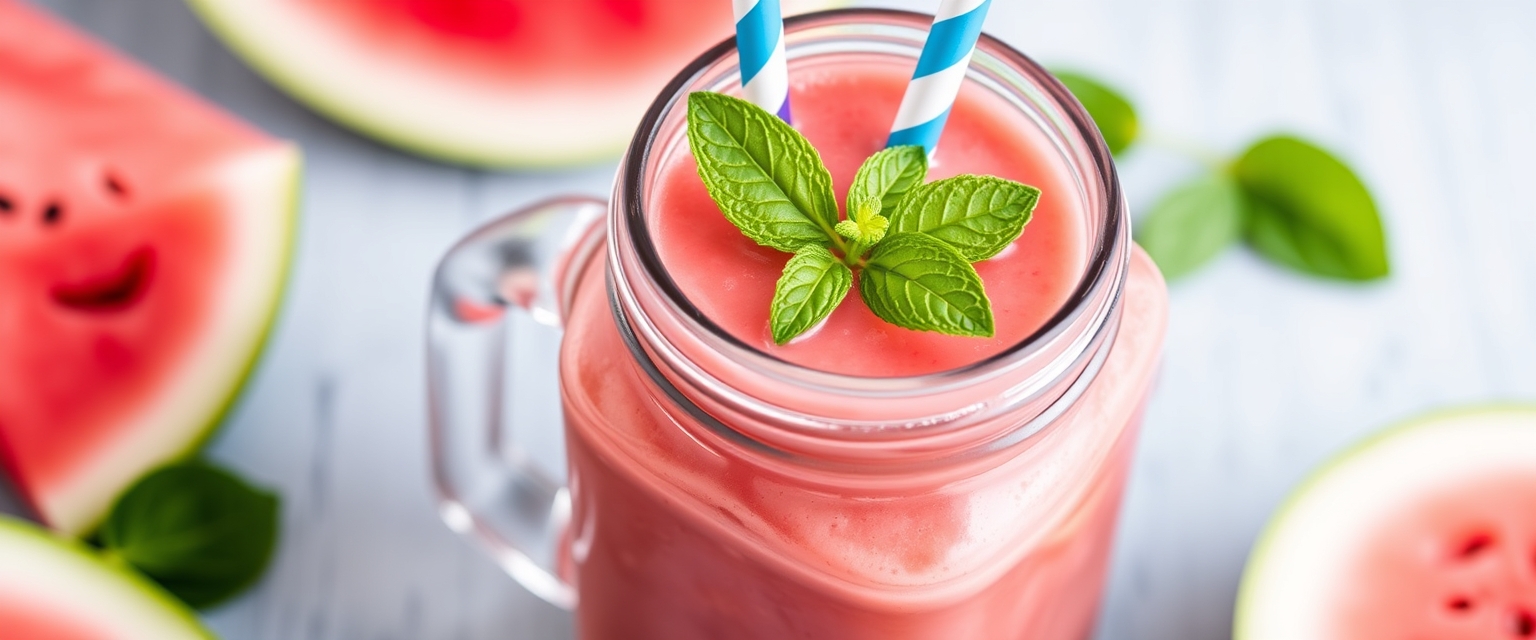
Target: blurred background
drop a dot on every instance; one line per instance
(1265, 372)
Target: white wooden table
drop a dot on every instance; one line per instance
(1265, 373)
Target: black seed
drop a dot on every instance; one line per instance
(1523, 624)
(5, 205)
(115, 186)
(1475, 545)
(53, 213)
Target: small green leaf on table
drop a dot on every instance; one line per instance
(813, 284)
(1307, 210)
(202, 533)
(766, 178)
(977, 215)
(919, 282)
(1192, 224)
(1112, 113)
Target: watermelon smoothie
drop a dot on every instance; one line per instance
(848, 108)
(865, 481)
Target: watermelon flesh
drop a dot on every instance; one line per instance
(1428, 531)
(1462, 562)
(144, 238)
(483, 82)
(55, 589)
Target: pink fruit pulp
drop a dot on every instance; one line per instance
(22, 620)
(1459, 564)
(521, 41)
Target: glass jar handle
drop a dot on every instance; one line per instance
(489, 488)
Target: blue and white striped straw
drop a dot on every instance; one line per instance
(940, 71)
(760, 42)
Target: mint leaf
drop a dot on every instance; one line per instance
(813, 284)
(1307, 210)
(865, 230)
(1112, 113)
(885, 177)
(1192, 224)
(918, 282)
(765, 176)
(202, 533)
(977, 215)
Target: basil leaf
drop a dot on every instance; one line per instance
(202, 533)
(1112, 113)
(765, 176)
(1192, 224)
(885, 177)
(916, 281)
(1307, 210)
(813, 284)
(977, 215)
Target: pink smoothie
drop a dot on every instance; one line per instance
(681, 533)
(847, 117)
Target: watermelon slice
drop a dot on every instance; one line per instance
(57, 589)
(144, 240)
(482, 82)
(1427, 531)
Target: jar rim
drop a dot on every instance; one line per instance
(1105, 265)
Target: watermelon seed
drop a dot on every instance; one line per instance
(52, 213)
(1475, 545)
(5, 204)
(115, 186)
(1524, 624)
(1459, 604)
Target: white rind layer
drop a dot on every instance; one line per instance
(39, 572)
(258, 190)
(419, 108)
(1291, 582)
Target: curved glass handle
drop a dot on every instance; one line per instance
(489, 488)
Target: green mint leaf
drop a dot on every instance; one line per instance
(977, 215)
(918, 282)
(813, 284)
(202, 533)
(765, 176)
(1307, 210)
(885, 177)
(866, 229)
(1113, 114)
(1192, 224)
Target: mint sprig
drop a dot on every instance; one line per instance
(912, 243)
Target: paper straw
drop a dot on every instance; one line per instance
(760, 42)
(940, 70)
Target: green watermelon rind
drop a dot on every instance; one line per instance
(35, 543)
(224, 22)
(287, 234)
(1268, 537)
(280, 295)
